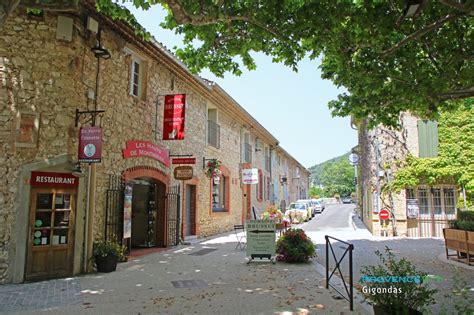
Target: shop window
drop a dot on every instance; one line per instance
(449, 201)
(220, 189)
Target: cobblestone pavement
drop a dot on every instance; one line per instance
(40, 295)
(218, 282)
(427, 254)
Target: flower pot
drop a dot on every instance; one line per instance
(388, 310)
(107, 263)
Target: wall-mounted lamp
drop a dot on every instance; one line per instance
(77, 171)
(98, 50)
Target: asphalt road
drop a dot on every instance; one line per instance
(333, 217)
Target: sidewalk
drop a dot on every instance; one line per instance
(207, 278)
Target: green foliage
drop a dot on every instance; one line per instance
(315, 192)
(337, 178)
(463, 225)
(411, 294)
(466, 215)
(454, 163)
(295, 247)
(106, 248)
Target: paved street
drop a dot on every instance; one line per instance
(426, 253)
(207, 278)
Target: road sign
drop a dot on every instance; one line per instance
(183, 172)
(353, 158)
(384, 214)
(261, 238)
(183, 160)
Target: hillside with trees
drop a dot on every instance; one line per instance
(332, 177)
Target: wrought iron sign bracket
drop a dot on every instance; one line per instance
(180, 155)
(93, 114)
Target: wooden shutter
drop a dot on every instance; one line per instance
(427, 138)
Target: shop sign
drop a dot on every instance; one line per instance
(250, 176)
(174, 117)
(90, 145)
(183, 161)
(127, 210)
(148, 149)
(50, 179)
(261, 237)
(183, 172)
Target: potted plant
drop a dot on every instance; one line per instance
(213, 168)
(295, 247)
(395, 287)
(107, 254)
(272, 213)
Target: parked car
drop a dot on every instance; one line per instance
(347, 199)
(310, 204)
(323, 203)
(297, 212)
(318, 207)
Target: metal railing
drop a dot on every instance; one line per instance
(247, 153)
(349, 290)
(213, 134)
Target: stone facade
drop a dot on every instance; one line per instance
(382, 150)
(49, 78)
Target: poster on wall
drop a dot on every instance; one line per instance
(90, 145)
(127, 211)
(412, 208)
(174, 117)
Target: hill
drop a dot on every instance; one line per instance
(317, 170)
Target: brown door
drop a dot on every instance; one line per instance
(51, 235)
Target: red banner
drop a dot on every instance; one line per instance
(50, 179)
(90, 145)
(174, 117)
(148, 149)
(183, 161)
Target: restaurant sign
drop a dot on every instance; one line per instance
(137, 148)
(261, 238)
(90, 145)
(174, 117)
(50, 179)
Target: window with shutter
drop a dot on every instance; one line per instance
(427, 138)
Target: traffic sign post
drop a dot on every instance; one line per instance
(384, 214)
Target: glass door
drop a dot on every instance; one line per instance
(50, 243)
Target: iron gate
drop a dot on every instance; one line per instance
(173, 198)
(114, 210)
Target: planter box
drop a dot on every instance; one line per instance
(107, 263)
(462, 242)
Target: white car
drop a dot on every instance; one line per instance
(297, 212)
(318, 206)
(310, 207)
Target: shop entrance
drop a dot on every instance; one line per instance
(50, 233)
(148, 213)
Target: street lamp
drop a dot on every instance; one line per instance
(412, 7)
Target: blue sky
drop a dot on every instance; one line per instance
(292, 106)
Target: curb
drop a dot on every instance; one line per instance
(442, 257)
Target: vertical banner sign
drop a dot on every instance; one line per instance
(90, 145)
(127, 211)
(174, 117)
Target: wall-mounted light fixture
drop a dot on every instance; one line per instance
(77, 171)
(98, 50)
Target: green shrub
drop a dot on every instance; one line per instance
(295, 247)
(463, 225)
(415, 295)
(106, 248)
(466, 215)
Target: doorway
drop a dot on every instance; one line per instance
(144, 214)
(51, 233)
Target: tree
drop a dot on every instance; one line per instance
(387, 63)
(337, 178)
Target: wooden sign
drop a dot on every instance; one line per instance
(183, 172)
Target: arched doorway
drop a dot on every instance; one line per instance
(145, 191)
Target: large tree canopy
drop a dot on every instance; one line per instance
(387, 63)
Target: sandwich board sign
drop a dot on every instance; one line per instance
(261, 239)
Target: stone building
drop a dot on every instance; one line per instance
(422, 211)
(54, 87)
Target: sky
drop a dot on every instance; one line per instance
(291, 106)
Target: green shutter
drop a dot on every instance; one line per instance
(427, 138)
